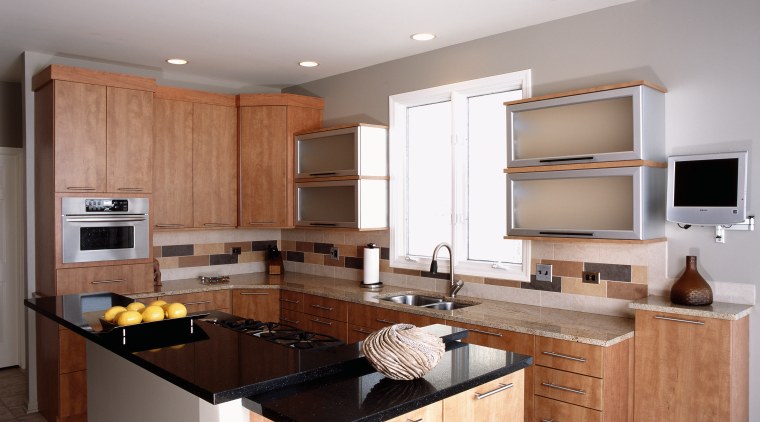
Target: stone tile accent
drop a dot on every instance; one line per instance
(576, 286)
(439, 275)
(294, 256)
(313, 258)
(610, 272)
(210, 249)
(168, 262)
(223, 259)
(305, 246)
(404, 271)
(261, 245)
(548, 286)
(354, 262)
(340, 262)
(177, 250)
(628, 291)
(288, 245)
(323, 248)
(251, 256)
(565, 268)
(244, 246)
(639, 274)
(385, 253)
(193, 261)
(157, 252)
(504, 283)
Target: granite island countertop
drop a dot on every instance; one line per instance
(582, 327)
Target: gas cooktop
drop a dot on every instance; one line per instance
(275, 332)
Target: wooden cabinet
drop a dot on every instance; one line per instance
(500, 400)
(215, 175)
(122, 279)
(365, 319)
(267, 124)
(172, 164)
(691, 368)
(583, 380)
(258, 304)
(430, 413)
(325, 307)
(218, 300)
(129, 140)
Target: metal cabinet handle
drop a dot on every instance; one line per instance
(253, 294)
(290, 301)
(79, 188)
(559, 387)
(559, 355)
(687, 321)
(499, 389)
(385, 321)
(289, 320)
(414, 420)
(200, 302)
(116, 280)
(130, 189)
(324, 308)
(262, 222)
(325, 173)
(547, 420)
(488, 333)
(217, 224)
(318, 321)
(362, 330)
(169, 226)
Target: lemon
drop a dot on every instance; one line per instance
(113, 312)
(136, 306)
(176, 310)
(158, 303)
(129, 318)
(152, 313)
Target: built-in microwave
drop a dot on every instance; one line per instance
(104, 229)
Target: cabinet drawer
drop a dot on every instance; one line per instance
(259, 304)
(568, 387)
(372, 317)
(326, 326)
(122, 279)
(357, 333)
(325, 307)
(497, 400)
(553, 410)
(430, 413)
(580, 358)
(203, 301)
(291, 300)
(293, 318)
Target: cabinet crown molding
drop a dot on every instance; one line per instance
(589, 90)
(96, 77)
(293, 100)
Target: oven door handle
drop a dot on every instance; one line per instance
(111, 219)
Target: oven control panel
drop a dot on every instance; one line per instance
(106, 205)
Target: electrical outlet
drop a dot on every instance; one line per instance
(544, 272)
(237, 250)
(591, 277)
(334, 253)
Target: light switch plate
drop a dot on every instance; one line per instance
(544, 272)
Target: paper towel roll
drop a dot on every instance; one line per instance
(371, 264)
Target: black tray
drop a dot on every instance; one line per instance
(153, 335)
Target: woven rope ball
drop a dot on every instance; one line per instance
(403, 351)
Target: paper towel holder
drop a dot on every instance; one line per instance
(371, 286)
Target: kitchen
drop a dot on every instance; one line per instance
(686, 61)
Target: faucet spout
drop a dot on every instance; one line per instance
(454, 287)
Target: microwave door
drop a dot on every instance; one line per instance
(104, 238)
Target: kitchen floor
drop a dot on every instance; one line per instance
(12, 396)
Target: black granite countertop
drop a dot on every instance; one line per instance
(218, 364)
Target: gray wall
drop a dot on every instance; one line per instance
(10, 115)
(704, 52)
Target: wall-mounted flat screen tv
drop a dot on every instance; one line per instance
(707, 189)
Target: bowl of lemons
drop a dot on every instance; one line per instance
(138, 312)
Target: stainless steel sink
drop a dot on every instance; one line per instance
(429, 302)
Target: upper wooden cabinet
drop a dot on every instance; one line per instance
(96, 130)
(195, 160)
(608, 123)
(267, 124)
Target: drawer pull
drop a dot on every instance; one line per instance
(217, 225)
(261, 222)
(687, 321)
(79, 188)
(385, 321)
(290, 301)
(169, 226)
(289, 320)
(414, 420)
(324, 308)
(318, 321)
(488, 333)
(116, 280)
(559, 387)
(501, 388)
(253, 294)
(200, 302)
(361, 330)
(558, 355)
(325, 173)
(547, 420)
(130, 189)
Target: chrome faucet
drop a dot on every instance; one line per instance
(454, 287)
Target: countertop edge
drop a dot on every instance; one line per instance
(646, 304)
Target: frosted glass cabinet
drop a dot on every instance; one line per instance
(342, 177)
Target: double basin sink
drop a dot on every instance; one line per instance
(429, 302)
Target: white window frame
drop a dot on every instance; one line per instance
(397, 109)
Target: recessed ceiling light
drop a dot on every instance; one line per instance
(308, 64)
(176, 61)
(423, 36)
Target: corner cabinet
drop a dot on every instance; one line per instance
(267, 123)
(342, 177)
(588, 164)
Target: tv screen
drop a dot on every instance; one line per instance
(707, 189)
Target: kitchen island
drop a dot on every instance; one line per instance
(201, 370)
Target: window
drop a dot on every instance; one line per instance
(447, 160)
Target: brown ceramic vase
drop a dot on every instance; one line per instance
(691, 289)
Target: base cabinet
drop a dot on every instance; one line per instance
(500, 400)
(258, 304)
(691, 368)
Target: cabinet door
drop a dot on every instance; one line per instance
(173, 165)
(80, 137)
(214, 166)
(430, 413)
(129, 140)
(499, 400)
(682, 368)
(258, 304)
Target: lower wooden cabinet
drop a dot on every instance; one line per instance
(258, 304)
(500, 400)
(555, 410)
(430, 413)
(218, 300)
(122, 279)
(691, 368)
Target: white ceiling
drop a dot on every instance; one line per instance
(258, 42)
